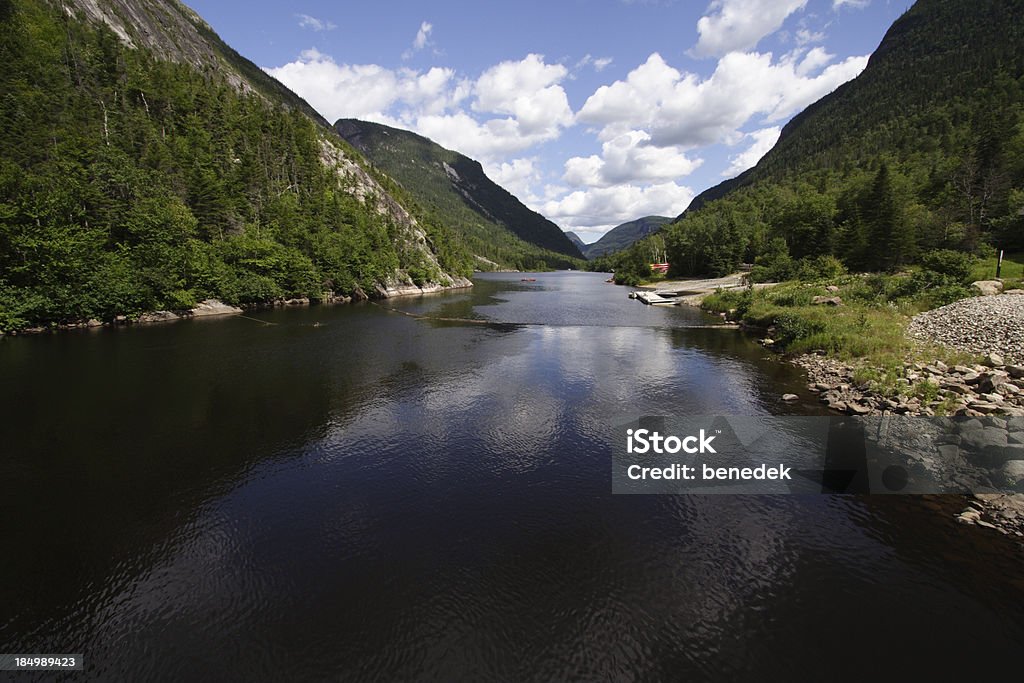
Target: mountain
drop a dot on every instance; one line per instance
(923, 150)
(938, 52)
(492, 223)
(622, 236)
(145, 165)
(575, 239)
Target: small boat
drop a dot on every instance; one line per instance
(528, 279)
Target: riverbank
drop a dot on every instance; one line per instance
(216, 308)
(874, 345)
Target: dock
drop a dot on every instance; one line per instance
(655, 299)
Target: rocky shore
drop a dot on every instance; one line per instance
(991, 392)
(980, 325)
(215, 307)
(923, 389)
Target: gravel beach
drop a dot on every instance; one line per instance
(981, 324)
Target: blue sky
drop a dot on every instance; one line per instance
(591, 112)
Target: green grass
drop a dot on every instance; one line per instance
(1013, 269)
(870, 325)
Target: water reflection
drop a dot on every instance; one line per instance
(377, 496)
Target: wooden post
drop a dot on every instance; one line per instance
(999, 264)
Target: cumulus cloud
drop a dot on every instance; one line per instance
(629, 158)
(513, 105)
(306, 21)
(367, 90)
(761, 141)
(596, 210)
(517, 176)
(681, 109)
(739, 25)
(528, 91)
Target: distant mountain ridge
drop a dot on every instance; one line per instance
(575, 239)
(622, 236)
(491, 221)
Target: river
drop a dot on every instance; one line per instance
(347, 493)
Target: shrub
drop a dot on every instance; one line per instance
(954, 264)
(791, 327)
(774, 265)
(824, 267)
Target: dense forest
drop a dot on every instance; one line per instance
(489, 220)
(924, 151)
(131, 183)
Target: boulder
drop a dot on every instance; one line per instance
(790, 397)
(827, 301)
(211, 307)
(1012, 474)
(158, 317)
(988, 287)
(990, 380)
(993, 360)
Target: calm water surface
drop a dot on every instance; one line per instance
(349, 493)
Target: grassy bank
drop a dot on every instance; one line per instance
(866, 329)
(873, 309)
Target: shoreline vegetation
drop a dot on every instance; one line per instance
(211, 308)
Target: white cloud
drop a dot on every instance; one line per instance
(306, 21)
(733, 25)
(629, 158)
(854, 4)
(516, 176)
(599, 63)
(806, 36)
(420, 41)
(596, 210)
(528, 91)
(679, 109)
(763, 140)
(514, 105)
(815, 59)
(367, 90)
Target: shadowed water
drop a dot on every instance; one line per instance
(349, 493)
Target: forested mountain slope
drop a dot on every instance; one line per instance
(145, 165)
(924, 150)
(491, 222)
